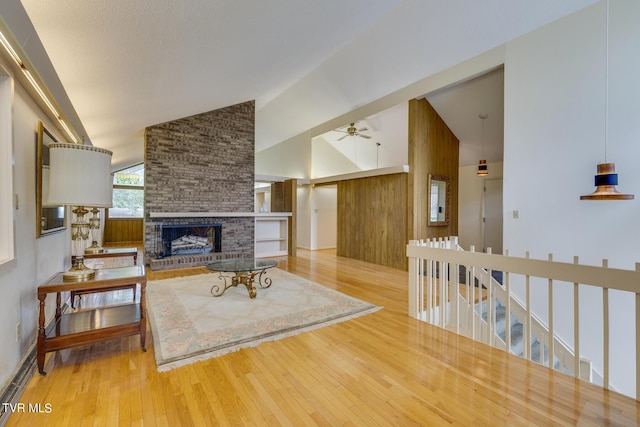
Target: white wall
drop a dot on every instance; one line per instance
(317, 217)
(291, 158)
(304, 216)
(36, 259)
(554, 127)
(327, 161)
(470, 192)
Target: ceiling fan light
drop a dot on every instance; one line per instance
(352, 131)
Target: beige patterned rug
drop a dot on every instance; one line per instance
(189, 324)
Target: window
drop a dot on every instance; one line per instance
(128, 193)
(6, 169)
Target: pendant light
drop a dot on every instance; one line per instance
(606, 179)
(482, 165)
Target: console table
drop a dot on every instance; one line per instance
(111, 253)
(107, 253)
(90, 326)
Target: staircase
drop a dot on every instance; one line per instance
(517, 337)
(481, 292)
(518, 342)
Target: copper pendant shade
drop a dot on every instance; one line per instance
(482, 168)
(606, 180)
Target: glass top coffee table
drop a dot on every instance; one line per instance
(247, 271)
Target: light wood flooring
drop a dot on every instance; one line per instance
(382, 369)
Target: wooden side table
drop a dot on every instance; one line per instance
(95, 325)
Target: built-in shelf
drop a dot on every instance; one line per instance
(271, 235)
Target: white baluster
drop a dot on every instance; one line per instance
(491, 312)
(472, 277)
(576, 325)
(414, 287)
(507, 319)
(637, 340)
(429, 288)
(605, 329)
(551, 333)
(527, 323)
(456, 293)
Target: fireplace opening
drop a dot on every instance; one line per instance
(172, 240)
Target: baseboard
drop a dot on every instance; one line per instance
(13, 389)
(316, 249)
(17, 383)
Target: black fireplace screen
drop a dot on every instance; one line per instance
(188, 239)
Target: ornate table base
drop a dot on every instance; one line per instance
(244, 278)
(246, 272)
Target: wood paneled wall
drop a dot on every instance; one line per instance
(277, 197)
(433, 149)
(284, 198)
(372, 222)
(291, 205)
(123, 230)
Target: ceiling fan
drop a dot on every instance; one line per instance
(351, 130)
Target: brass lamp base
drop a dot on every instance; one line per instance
(94, 248)
(78, 272)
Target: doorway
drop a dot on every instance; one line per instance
(492, 215)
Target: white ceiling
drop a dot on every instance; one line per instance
(389, 129)
(459, 106)
(129, 65)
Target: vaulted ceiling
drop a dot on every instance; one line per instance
(129, 65)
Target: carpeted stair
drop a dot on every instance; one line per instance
(517, 336)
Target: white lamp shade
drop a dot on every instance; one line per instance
(80, 175)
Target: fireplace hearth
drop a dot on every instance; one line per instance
(187, 239)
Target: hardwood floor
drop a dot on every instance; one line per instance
(380, 369)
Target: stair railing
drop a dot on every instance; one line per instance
(534, 327)
(434, 297)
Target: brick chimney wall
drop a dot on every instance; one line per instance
(203, 163)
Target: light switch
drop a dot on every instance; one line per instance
(516, 214)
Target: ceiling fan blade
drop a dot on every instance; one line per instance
(343, 137)
(364, 136)
(362, 129)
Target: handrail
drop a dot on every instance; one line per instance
(430, 262)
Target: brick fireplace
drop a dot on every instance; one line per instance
(200, 170)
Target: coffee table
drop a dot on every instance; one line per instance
(245, 271)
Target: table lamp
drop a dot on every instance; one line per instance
(80, 175)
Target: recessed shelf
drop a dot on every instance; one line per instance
(271, 236)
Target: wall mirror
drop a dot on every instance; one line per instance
(49, 219)
(438, 187)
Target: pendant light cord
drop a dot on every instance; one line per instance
(483, 116)
(483, 138)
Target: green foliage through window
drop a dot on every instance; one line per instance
(127, 203)
(128, 193)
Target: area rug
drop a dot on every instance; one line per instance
(189, 324)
